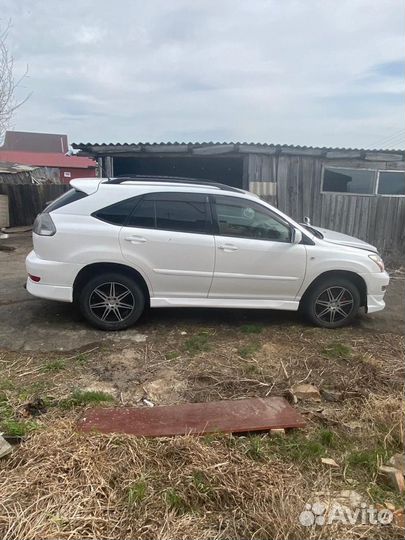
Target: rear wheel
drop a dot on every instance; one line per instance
(112, 301)
(332, 303)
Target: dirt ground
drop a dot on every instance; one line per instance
(32, 324)
(52, 365)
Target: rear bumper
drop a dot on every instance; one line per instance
(56, 278)
(51, 292)
(376, 288)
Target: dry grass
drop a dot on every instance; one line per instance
(61, 484)
(64, 485)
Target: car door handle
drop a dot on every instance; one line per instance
(135, 239)
(228, 247)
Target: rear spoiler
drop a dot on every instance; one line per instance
(86, 185)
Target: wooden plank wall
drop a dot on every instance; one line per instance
(28, 200)
(375, 219)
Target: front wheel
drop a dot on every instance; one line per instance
(111, 301)
(332, 303)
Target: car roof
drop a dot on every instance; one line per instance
(167, 180)
(142, 184)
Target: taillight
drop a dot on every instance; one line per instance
(43, 225)
(34, 278)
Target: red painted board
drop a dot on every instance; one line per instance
(235, 416)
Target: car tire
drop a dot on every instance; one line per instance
(332, 303)
(111, 301)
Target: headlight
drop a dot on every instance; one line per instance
(378, 261)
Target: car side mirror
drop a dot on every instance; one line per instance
(296, 236)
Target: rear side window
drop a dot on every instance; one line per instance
(116, 214)
(183, 216)
(144, 215)
(70, 196)
(182, 212)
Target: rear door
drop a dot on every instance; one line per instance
(169, 237)
(255, 256)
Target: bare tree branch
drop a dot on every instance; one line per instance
(8, 83)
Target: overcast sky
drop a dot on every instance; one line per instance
(310, 72)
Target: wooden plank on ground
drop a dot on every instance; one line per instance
(238, 416)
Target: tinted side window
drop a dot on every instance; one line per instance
(182, 216)
(117, 213)
(245, 219)
(70, 196)
(144, 215)
(182, 212)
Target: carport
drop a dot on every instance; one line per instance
(357, 192)
(226, 169)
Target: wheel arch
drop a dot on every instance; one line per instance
(95, 269)
(356, 279)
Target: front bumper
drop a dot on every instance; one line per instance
(377, 284)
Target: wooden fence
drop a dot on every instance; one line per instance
(379, 220)
(28, 200)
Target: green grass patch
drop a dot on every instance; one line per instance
(80, 398)
(35, 389)
(246, 351)
(252, 369)
(367, 460)
(198, 343)
(251, 328)
(201, 482)
(176, 502)
(337, 350)
(54, 366)
(17, 428)
(7, 384)
(299, 448)
(6, 411)
(255, 449)
(327, 438)
(171, 355)
(137, 492)
(382, 494)
(81, 359)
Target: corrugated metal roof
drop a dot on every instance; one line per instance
(216, 148)
(42, 159)
(83, 145)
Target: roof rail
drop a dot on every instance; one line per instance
(171, 180)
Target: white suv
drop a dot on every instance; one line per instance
(117, 246)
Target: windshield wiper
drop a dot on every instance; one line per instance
(315, 232)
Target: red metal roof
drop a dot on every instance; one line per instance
(42, 159)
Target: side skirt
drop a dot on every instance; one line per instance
(225, 303)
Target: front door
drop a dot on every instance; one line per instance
(169, 238)
(255, 257)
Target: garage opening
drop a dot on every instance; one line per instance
(227, 170)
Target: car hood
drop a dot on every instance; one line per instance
(344, 239)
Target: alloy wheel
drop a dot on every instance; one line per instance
(334, 304)
(111, 302)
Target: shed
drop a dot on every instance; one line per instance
(356, 191)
